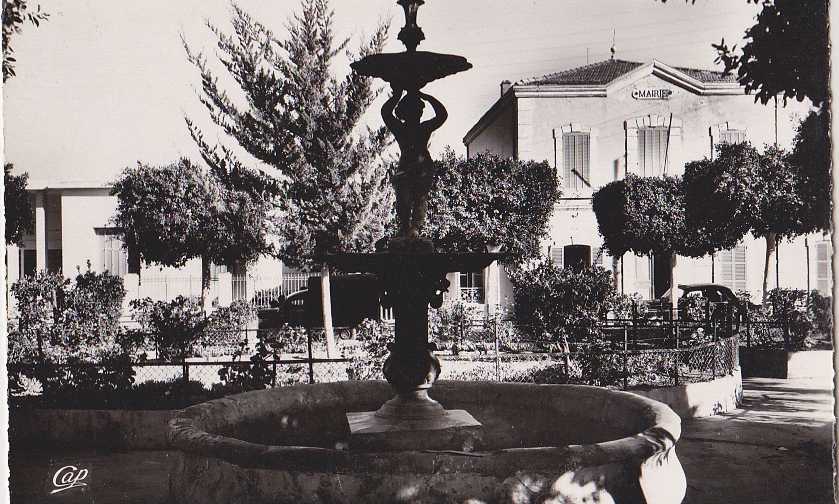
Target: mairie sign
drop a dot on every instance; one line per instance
(651, 94)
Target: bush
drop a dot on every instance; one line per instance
(64, 325)
(367, 361)
(458, 326)
(260, 373)
(789, 307)
(175, 327)
(561, 304)
(820, 310)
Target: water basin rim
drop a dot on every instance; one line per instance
(185, 434)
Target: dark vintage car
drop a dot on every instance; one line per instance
(721, 304)
(354, 297)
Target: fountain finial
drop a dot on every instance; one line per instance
(411, 34)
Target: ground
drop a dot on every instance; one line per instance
(775, 449)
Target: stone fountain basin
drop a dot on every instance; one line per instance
(541, 443)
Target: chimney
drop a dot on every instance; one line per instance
(505, 86)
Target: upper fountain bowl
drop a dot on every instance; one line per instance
(411, 70)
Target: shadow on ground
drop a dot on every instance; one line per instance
(776, 448)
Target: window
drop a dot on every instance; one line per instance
(557, 255)
(643, 280)
(54, 260)
(472, 286)
(29, 262)
(732, 268)
(652, 151)
(824, 253)
(576, 160)
(726, 133)
(114, 257)
(732, 136)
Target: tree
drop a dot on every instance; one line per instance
(786, 52)
(811, 159)
(487, 201)
(645, 215)
(174, 213)
(744, 190)
(304, 123)
(720, 196)
(17, 204)
(778, 208)
(15, 14)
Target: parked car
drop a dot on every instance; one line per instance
(720, 301)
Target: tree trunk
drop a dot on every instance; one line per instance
(771, 246)
(326, 304)
(205, 284)
(674, 288)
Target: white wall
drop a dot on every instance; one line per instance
(82, 211)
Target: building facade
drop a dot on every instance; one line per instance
(598, 122)
(72, 228)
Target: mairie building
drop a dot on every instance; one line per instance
(599, 122)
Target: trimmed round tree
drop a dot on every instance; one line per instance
(719, 196)
(174, 213)
(645, 215)
(488, 201)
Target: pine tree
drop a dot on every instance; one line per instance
(304, 125)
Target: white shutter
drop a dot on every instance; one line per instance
(576, 154)
(824, 252)
(558, 256)
(732, 268)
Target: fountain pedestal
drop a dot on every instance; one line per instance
(412, 277)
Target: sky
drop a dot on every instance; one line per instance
(104, 84)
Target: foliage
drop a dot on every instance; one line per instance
(643, 215)
(562, 304)
(64, 325)
(175, 327)
(225, 326)
(777, 205)
(810, 159)
(17, 204)
(720, 195)
(457, 326)
(786, 52)
(820, 311)
(487, 200)
(627, 306)
(270, 345)
(367, 362)
(789, 306)
(15, 14)
(174, 213)
(305, 124)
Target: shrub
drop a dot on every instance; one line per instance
(458, 326)
(561, 304)
(260, 373)
(175, 327)
(65, 325)
(367, 361)
(820, 309)
(789, 306)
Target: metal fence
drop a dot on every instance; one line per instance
(619, 356)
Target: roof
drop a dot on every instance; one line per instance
(604, 72)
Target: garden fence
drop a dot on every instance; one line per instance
(659, 353)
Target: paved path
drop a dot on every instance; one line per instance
(775, 449)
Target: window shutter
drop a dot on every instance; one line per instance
(824, 251)
(652, 151)
(576, 155)
(732, 267)
(558, 256)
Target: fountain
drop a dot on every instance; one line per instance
(346, 442)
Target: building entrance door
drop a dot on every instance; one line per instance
(661, 274)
